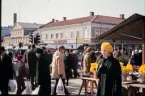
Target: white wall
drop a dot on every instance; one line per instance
(67, 31)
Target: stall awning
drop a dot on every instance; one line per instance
(9, 47)
(132, 28)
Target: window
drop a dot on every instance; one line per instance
(61, 35)
(72, 34)
(67, 35)
(51, 36)
(56, 35)
(86, 33)
(78, 33)
(97, 32)
(46, 36)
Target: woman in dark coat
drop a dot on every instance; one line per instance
(68, 65)
(109, 73)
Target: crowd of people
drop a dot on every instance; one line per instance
(39, 66)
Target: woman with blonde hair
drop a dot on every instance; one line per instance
(109, 73)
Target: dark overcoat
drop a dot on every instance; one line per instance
(109, 74)
(44, 79)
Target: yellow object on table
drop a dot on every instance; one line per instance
(142, 69)
(129, 68)
(93, 66)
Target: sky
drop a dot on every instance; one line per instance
(42, 11)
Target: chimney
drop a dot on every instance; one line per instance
(53, 20)
(15, 18)
(56, 20)
(91, 13)
(64, 18)
(122, 16)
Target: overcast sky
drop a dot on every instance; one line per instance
(42, 11)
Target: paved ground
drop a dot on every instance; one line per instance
(74, 86)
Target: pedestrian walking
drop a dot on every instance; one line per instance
(109, 73)
(32, 62)
(44, 79)
(87, 61)
(48, 55)
(83, 54)
(68, 65)
(75, 63)
(20, 73)
(58, 68)
(6, 71)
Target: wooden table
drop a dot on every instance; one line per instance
(85, 82)
(134, 88)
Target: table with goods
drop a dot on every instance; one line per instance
(133, 79)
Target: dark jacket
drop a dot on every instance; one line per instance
(140, 59)
(68, 65)
(135, 60)
(32, 61)
(109, 74)
(6, 68)
(48, 57)
(43, 70)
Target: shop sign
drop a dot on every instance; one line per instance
(60, 41)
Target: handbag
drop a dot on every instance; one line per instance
(60, 87)
(12, 85)
(28, 87)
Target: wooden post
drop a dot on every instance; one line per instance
(143, 45)
(143, 52)
(114, 45)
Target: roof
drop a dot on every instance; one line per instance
(132, 28)
(95, 18)
(29, 25)
(5, 31)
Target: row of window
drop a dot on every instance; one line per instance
(98, 32)
(61, 35)
(16, 33)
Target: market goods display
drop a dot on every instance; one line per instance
(129, 68)
(93, 67)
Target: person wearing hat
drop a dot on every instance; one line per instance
(44, 79)
(6, 70)
(109, 73)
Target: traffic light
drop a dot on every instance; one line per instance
(31, 38)
(37, 39)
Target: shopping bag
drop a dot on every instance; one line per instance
(12, 85)
(60, 87)
(28, 87)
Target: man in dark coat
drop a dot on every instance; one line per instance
(109, 73)
(6, 71)
(44, 79)
(68, 61)
(32, 61)
(48, 56)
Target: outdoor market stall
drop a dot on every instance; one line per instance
(132, 28)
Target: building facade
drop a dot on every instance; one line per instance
(20, 33)
(75, 32)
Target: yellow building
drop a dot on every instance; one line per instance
(20, 33)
